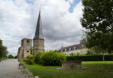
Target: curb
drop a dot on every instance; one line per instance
(24, 70)
(36, 77)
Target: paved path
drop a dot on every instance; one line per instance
(9, 69)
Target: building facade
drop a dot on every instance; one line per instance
(74, 49)
(25, 49)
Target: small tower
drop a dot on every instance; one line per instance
(25, 49)
(38, 41)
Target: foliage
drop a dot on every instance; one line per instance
(98, 21)
(3, 50)
(10, 56)
(96, 69)
(98, 15)
(100, 42)
(52, 58)
(90, 52)
(29, 59)
(90, 58)
(15, 57)
(37, 57)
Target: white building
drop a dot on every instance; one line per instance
(74, 49)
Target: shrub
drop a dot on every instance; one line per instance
(15, 57)
(29, 59)
(37, 57)
(10, 56)
(52, 58)
(91, 58)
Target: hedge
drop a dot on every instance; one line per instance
(90, 58)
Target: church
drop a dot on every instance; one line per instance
(31, 46)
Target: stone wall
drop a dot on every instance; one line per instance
(70, 65)
(38, 45)
(20, 53)
(25, 49)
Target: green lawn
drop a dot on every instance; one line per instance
(101, 69)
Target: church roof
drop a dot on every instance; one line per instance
(39, 32)
(76, 45)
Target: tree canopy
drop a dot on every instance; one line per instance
(98, 15)
(98, 21)
(3, 50)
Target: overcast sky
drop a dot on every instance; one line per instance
(60, 19)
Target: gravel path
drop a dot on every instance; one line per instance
(9, 69)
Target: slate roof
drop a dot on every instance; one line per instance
(39, 32)
(76, 45)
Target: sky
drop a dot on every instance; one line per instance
(60, 20)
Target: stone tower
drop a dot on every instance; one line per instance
(25, 49)
(38, 41)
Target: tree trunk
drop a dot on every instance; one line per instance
(103, 57)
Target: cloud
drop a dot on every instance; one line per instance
(60, 26)
(14, 19)
(18, 20)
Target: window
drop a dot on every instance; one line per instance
(72, 48)
(28, 41)
(67, 49)
(63, 50)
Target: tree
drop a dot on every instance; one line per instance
(10, 56)
(98, 15)
(3, 50)
(98, 21)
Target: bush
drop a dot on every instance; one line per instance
(37, 58)
(52, 58)
(15, 57)
(29, 59)
(10, 56)
(91, 58)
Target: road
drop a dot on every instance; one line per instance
(9, 69)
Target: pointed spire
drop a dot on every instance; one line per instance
(39, 33)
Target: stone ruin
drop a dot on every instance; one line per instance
(72, 65)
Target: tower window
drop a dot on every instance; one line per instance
(27, 41)
(27, 51)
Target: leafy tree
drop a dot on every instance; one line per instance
(10, 56)
(15, 57)
(0, 49)
(98, 15)
(3, 50)
(98, 21)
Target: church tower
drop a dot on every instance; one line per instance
(38, 41)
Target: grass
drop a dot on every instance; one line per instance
(96, 69)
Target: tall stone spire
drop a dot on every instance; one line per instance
(38, 41)
(39, 32)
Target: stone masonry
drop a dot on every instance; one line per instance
(25, 49)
